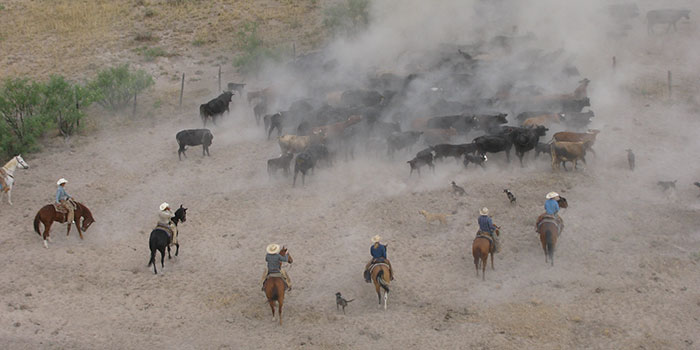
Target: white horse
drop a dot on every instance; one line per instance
(8, 174)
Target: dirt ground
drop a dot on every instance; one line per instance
(625, 273)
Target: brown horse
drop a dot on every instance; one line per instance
(274, 289)
(549, 232)
(378, 273)
(481, 248)
(48, 214)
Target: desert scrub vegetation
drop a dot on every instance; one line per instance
(253, 52)
(346, 18)
(151, 53)
(116, 87)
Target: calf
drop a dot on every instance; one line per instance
(194, 137)
(424, 157)
(282, 162)
(563, 152)
(275, 122)
(544, 120)
(542, 148)
(304, 162)
(588, 138)
(478, 159)
(215, 107)
(400, 140)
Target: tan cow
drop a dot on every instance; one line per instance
(588, 138)
(563, 152)
(544, 120)
(296, 144)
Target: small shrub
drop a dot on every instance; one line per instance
(149, 12)
(21, 122)
(198, 42)
(151, 53)
(115, 87)
(147, 36)
(65, 103)
(254, 53)
(347, 18)
(2, 7)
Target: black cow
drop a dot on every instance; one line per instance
(525, 139)
(274, 122)
(320, 153)
(486, 121)
(282, 162)
(399, 141)
(665, 16)
(304, 162)
(236, 87)
(424, 157)
(462, 123)
(215, 107)
(456, 151)
(493, 144)
(542, 148)
(194, 137)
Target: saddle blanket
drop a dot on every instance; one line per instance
(371, 267)
(277, 274)
(552, 220)
(166, 229)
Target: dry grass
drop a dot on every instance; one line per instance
(74, 37)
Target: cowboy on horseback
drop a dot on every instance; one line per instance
(165, 222)
(274, 264)
(63, 201)
(551, 207)
(487, 228)
(378, 252)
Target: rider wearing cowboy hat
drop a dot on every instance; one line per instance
(164, 220)
(378, 252)
(274, 264)
(551, 207)
(62, 200)
(486, 227)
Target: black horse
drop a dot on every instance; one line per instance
(160, 239)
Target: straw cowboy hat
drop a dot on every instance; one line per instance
(551, 195)
(484, 211)
(61, 181)
(376, 239)
(164, 206)
(273, 248)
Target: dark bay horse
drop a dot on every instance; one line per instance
(159, 240)
(379, 272)
(481, 248)
(274, 289)
(48, 214)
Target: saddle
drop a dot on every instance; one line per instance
(552, 220)
(279, 275)
(167, 230)
(482, 234)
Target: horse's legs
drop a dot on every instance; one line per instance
(492, 268)
(153, 261)
(484, 262)
(68, 229)
(177, 248)
(386, 297)
(280, 301)
(272, 307)
(9, 196)
(162, 258)
(80, 232)
(168, 246)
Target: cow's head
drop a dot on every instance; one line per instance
(541, 130)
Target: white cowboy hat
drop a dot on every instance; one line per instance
(484, 211)
(551, 195)
(61, 181)
(376, 239)
(273, 248)
(164, 206)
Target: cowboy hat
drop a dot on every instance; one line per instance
(376, 239)
(164, 206)
(484, 211)
(273, 248)
(61, 181)
(551, 195)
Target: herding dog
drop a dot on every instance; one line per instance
(430, 217)
(340, 301)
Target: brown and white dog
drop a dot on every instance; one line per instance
(430, 217)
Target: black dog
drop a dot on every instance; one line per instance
(511, 197)
(665, 185)
(458, 189)
(340, 301)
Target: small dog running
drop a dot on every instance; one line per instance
(511, 197)
(458, 189)
(340, 301)
(430, 217)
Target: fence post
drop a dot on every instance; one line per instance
(219, 78)
(669, 85)
(133, 112)
(614, 64)
(294, 52)
(182, 88)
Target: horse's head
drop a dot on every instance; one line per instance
(87, 221)
(181, 214)
(21, 162)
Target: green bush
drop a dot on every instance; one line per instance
(115, 87)
(347, 18)
(253, 53)
(22, 122)
(65, 103)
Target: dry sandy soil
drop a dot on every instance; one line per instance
(625, 273)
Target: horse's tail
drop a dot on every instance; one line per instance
(381, 281)
(37, 220)
(548, 242)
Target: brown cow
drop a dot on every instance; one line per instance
(563, 152)
(333, 130)
(544, 120)
(588, 138)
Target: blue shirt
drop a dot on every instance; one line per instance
(486, 224)
(378, 252)
(551, 206)
(61, 194)
(274, 262)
